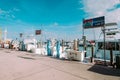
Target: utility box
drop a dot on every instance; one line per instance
(75, 55)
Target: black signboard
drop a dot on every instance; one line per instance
(94, 23)
(100, 21)
(87, 23)
(38, 32)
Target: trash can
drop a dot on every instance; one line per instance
(118, 61)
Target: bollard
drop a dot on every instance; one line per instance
(58, 49)
(85, 48)
(48, 48)
(92, 56)
(111, 57)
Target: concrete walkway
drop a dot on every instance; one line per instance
(18, 65)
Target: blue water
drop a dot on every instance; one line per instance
(88, 54)
(100, 53)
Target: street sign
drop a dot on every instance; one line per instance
(111, 24)
(38, 32)
(94, 23)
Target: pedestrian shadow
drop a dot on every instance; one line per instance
(105, 70)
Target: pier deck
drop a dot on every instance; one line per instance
(19, 65)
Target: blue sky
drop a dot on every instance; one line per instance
(56, 17)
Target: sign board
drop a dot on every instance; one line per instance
(111, 33)
(87, 23)
(21, 34)
(111, 24)
(94, 23)
(38, 32)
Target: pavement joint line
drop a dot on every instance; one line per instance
(31, 74)
(65, 71)
(71, 74)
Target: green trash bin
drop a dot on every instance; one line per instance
(118, 61)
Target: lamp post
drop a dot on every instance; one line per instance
(5, 34)
(104, 45)
(104, 37)
(119, 46)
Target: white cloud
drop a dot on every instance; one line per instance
(95, 8)
(55, 24)
(4, 14)
(12, 16)
(8, 14)
(1, 11)
(16, 9)
(81, 8)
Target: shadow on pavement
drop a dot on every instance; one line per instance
(26, 57)
(105, 70)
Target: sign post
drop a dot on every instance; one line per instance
(95, 23)
(38, 32)
(104, 46)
